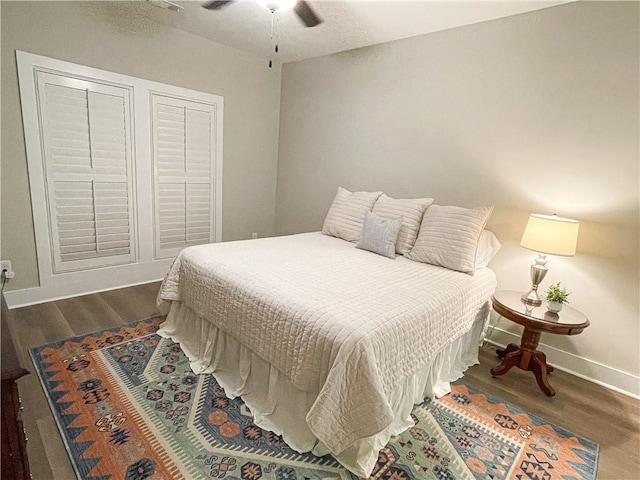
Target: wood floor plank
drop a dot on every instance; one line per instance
(134, 303)
(592, 411)
(56, 453)
(36, 325)
(88, 314)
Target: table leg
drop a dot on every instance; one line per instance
(511, 359)
(528, 345)
(543, 357)
(512, 347)
(526, 357)
(540, 369)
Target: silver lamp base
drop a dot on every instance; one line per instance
(531, 298)
(538, 272)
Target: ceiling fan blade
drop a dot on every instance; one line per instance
(306, 14)
(216, 4)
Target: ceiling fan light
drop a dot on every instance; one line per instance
(277, 5)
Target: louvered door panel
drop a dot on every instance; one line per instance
(87, 163)
(198, 146)
(75, 217)
(184, 156)
(106, 127)
(199, 203)
(173, 219)
(170, 140)
(67, 114)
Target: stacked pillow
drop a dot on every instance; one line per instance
(411, 210)
(447, 236)
(346, 214)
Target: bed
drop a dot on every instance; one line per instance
(329, 345)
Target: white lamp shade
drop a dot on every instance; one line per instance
(551, 234)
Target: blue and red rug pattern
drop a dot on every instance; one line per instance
(129, 407)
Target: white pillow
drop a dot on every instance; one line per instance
(379, 234)
(488, 246)
(411, 210)
(449, 237)
(346, 214)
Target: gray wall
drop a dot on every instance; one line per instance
(536, 113)
(103, 36)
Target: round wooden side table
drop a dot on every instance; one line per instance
(535, 320)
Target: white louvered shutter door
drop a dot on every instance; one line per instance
(184, 165)
(86, 139)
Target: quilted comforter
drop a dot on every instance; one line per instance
(343, 322)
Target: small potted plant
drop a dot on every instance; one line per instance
(556, 297)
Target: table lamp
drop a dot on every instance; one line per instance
(547, 234)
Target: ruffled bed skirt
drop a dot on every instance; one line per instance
(280, 407)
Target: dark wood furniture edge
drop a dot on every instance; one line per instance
(526, 356)
(12, 375)
(509, 313)
(15, 463)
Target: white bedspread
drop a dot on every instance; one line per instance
(347, 323)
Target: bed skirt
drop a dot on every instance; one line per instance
(280, 407)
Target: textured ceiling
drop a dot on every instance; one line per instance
(347, 24)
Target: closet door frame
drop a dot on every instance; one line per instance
(51, 177)
(187, 176)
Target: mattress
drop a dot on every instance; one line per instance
(345, 326)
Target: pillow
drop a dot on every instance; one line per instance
(346, 214)
(379, 234)
(411, 210)
(488, 246)
(449, 237)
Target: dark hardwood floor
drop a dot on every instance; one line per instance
(606, 417)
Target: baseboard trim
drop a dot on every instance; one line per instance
(34, 296)
(76, 284)
(590, 370)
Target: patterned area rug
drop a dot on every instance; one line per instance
(129, 407)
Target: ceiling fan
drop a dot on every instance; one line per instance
(301, 8)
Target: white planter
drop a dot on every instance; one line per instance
(554, 307)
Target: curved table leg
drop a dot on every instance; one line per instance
(526, 357)
(540, 369)
(510, 359)
(543, 357)
(512, 347)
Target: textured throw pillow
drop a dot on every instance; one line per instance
(346, 214)
(411, 210)
(379, 234)
(488, 246)
(449, 237)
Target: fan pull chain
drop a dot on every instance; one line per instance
(273, 14)
(273, 33)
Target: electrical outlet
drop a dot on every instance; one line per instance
(254, 235)
(6, 265)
